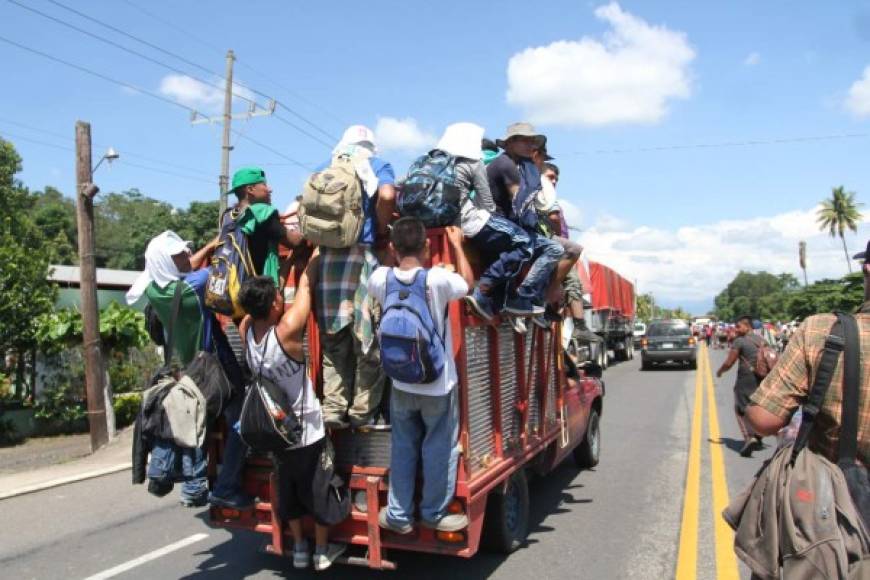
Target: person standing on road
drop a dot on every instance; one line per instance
(744, 350)
(787, 386)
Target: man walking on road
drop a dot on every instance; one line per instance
(787, 386)
(744, 349)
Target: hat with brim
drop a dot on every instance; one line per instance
(863, 256)
(520, 130)
(248, 176)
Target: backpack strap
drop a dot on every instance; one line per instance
(834, 344)
(420, 286)
(169, 345)
(851, 387)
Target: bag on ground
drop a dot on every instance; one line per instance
(230, 266)
(331, 210)
(412, 351)
(430, 192)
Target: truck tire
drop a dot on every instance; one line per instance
(621, 354)
(588, 453)
(646, 365)
(693, 365)
(506, 523)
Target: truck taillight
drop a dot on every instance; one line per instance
(455, 507)
(692, 340)
(450, 537)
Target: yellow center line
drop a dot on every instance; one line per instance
(726, 562)
(687, 558)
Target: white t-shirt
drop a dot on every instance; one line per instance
(442, 287)
(546, 198)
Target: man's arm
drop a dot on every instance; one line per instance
(463, 268)
(291, 328)
(732, 357)
(197, 260)
(763, 421)
(556, 220)
(480, 184)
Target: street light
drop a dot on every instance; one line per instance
(109, 156)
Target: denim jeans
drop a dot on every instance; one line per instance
(170, 464)
(546, 253)
(424, 428)
(505, 247)
(229, 479)
(195, 463)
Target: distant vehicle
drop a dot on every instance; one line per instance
(668, 341)
(639, 331)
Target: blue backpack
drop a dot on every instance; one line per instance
(412, 351)
(430, 192)
(525, 214)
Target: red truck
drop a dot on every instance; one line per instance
(519, 412)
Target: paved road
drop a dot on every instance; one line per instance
(622, 520)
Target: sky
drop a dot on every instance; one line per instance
(694, 139)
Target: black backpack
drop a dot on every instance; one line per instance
(844, 338)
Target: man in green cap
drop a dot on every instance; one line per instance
(260, 220)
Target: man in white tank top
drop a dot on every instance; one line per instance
(273, 343)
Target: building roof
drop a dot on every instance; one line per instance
(70, 276)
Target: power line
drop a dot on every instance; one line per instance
(724, 144)
(6, 135)
(125, 49)
(126, 152)
(273, 150)
(97, 74)
(303, 131)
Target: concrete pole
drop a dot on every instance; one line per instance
(88, 283)
(226, 147)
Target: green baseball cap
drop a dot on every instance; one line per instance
(248, 176)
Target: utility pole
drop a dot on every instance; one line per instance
(94, 373)
(254, 110)
(802, 257)
(226, 147)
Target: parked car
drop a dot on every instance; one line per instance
(637, 334)
(668, 341)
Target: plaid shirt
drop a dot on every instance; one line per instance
(788, 384)
(342, 292)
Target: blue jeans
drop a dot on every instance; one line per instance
(505, 247)
(229, 479)
(546, 253)
(429, 427)
(195, 463)
(170, 464)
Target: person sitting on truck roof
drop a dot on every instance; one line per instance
(353, 381)
(514, 182)
(273, 341)
(424, 417)
(168, 262)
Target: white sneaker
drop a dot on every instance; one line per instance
(324, 561)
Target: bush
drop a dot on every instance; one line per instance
(126, 407)
(60, 405)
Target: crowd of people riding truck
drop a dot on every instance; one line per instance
(380, 314)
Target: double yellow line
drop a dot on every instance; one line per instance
(687, 559)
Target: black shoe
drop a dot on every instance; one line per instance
(552, 315)
(748, 448)
(194, 502)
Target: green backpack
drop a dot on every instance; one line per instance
(331, 210)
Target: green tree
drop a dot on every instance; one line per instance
(645, 307)
(54, 215)
(198, 223)
(838, 214)
(745, 294)
(125, 223)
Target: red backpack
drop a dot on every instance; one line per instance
(766, 357)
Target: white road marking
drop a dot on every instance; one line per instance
(144, 558)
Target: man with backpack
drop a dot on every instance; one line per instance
(515, 182)
(745, 351)
(273, 339)
(417, 353)
(170, 271)
(346, 208)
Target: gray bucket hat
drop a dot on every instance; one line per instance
(521, 130)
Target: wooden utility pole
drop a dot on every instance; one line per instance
(802, 258)
(226, 147)
(85, 191)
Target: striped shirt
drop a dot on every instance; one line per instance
(788, 384)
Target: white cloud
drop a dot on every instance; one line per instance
(402, 135)
(206, 98)
(690, 265)
(752, 59)
(858, 99)
(628, 76)
(608, 223)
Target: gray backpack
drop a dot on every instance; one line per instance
(331, 210)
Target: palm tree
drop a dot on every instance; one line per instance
(839, 214)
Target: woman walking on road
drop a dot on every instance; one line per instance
(744, 349)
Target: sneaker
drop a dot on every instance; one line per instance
(480, 304)
(239, 501)
(402, 529)
(519, 325)
(552, 315)
(757, 443)
(748, 448)
(301, 557)
(324, 561)
(542, 322)
(194, 502)
(449, 523)
(519, 306)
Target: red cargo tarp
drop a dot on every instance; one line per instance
(610, 290)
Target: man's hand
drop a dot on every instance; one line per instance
(454, 236)
(719, 373)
